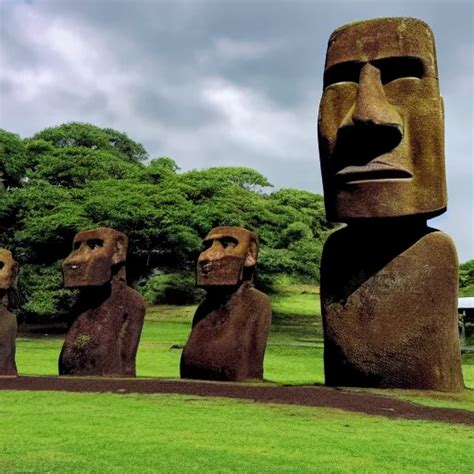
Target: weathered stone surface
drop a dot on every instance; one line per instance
(230, 328)
(8, 324)
(381, 122)
(103, 339)
(388, 298)
(388, 282)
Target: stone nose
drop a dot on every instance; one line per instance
(214, 252)
(75, 261)
(371, 105)
(372, 125)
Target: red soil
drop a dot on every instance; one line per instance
(313, 396)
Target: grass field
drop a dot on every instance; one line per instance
(68, 432)
(59, 432)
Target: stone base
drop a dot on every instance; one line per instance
(103, 340)
(389, 306)
(229, 337)
(8, 330)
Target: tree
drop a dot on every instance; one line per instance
(76, 134)
(466, 278)
(13, 159)
(74, 167)
(78, 176)
(160, 170)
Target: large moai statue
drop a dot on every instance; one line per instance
(8, 325)
(388, 281)
(230, 328)
(103, 339)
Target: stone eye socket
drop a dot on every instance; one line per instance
(95, 243)
(342, 72)
(2, 264)
(226, 242)
(207, 244)
(390, 69)
(229, 242)
(76, 245)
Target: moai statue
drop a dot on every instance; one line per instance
(103, 339)
(388, 281)
(230, 328)
(8, 326)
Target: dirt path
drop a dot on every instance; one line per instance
(314, 396)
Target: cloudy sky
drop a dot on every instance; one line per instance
(218, 82)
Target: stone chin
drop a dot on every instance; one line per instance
(407, 181)
(81, 281)
(227, 271)
(205, 281)
(381, 199)
(7, 281)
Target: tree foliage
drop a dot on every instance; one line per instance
(466, 278)
(13, 158)
(78, 176)
(84, 135)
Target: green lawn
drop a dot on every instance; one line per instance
(69, 432)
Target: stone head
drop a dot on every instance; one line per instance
(94, 255)
(8, 269)
(229, 257)
(381, 122)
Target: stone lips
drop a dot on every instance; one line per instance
(226, 271)
(104, 337)
(97, 273)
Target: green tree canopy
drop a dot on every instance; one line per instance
(74, 167)
(78, 176)
(13, 159)
(466, 278)
(84, 135)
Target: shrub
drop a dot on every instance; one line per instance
(171, 288)
(41, 294)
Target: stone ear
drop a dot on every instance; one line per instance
(251, 258)
(120, 251)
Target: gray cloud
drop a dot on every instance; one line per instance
(214, 83)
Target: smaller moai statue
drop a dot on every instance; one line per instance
(8, 325)
(230, 328)
(103, 339)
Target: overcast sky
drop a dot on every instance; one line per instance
(213, 83)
